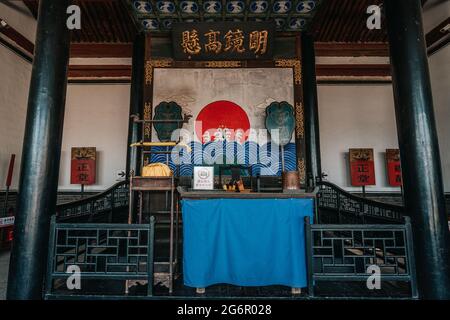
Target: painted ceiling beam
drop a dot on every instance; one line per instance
(326, 49)
(345, 49)
(323, 70)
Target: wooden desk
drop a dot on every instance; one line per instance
(239, 228)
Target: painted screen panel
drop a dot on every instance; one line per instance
(228, 105)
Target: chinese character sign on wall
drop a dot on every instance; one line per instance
(223, 41)
(362, 167)
(83, 166)
(393, 167)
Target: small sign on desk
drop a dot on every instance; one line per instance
(203, 178)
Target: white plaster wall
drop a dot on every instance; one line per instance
(435, 11)
(20, 18)
(15, 76)
(440, 81)
(363, 116)
(356, 116)
(96, 116)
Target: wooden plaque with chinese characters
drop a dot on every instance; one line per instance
(362, 167)
(393, 167)
(223, 40)
(83, 166)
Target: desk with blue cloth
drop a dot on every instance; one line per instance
(245, 239)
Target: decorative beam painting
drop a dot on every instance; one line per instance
(160, 16)
(325, 72)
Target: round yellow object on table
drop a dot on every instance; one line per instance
(156, 170)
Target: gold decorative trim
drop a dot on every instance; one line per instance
(291, 63)
(148, 73)
(361, 154)
(147, 111)
(163, 63)
(299, 121)
(147, 116)
(151, 64)
(302, 170)
(223, 64)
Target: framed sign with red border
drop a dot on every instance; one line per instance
(362, 167)
(394, 169)
(83, 166)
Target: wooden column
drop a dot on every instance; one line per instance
(419, 149)
(148, 88)
(136, 104)
(41, 152)
(312, 140)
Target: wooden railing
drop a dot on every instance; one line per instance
(349, 208)
(106, 202)
(348, 252)
(103, 253)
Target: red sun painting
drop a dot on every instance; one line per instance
(222, 120)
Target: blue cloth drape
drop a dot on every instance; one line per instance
(245, 242)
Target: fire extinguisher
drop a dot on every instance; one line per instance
(9, 235)
(7, 231)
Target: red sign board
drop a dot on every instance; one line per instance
(362, 167)
(393, 167)
(83, 166)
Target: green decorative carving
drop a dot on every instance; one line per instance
(280, 115)
(167, 111)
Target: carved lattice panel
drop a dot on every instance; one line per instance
(106, 251)
(351, 251)
(332, 198)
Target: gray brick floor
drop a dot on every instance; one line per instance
(4, 265)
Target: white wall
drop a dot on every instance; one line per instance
(356, 116)
(88, 108)
(440, 82)
(20, 19)
(14, 84)
(96, 116)
(436, 12)
(364, 116)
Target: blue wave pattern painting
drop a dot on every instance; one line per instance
(250, 153)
